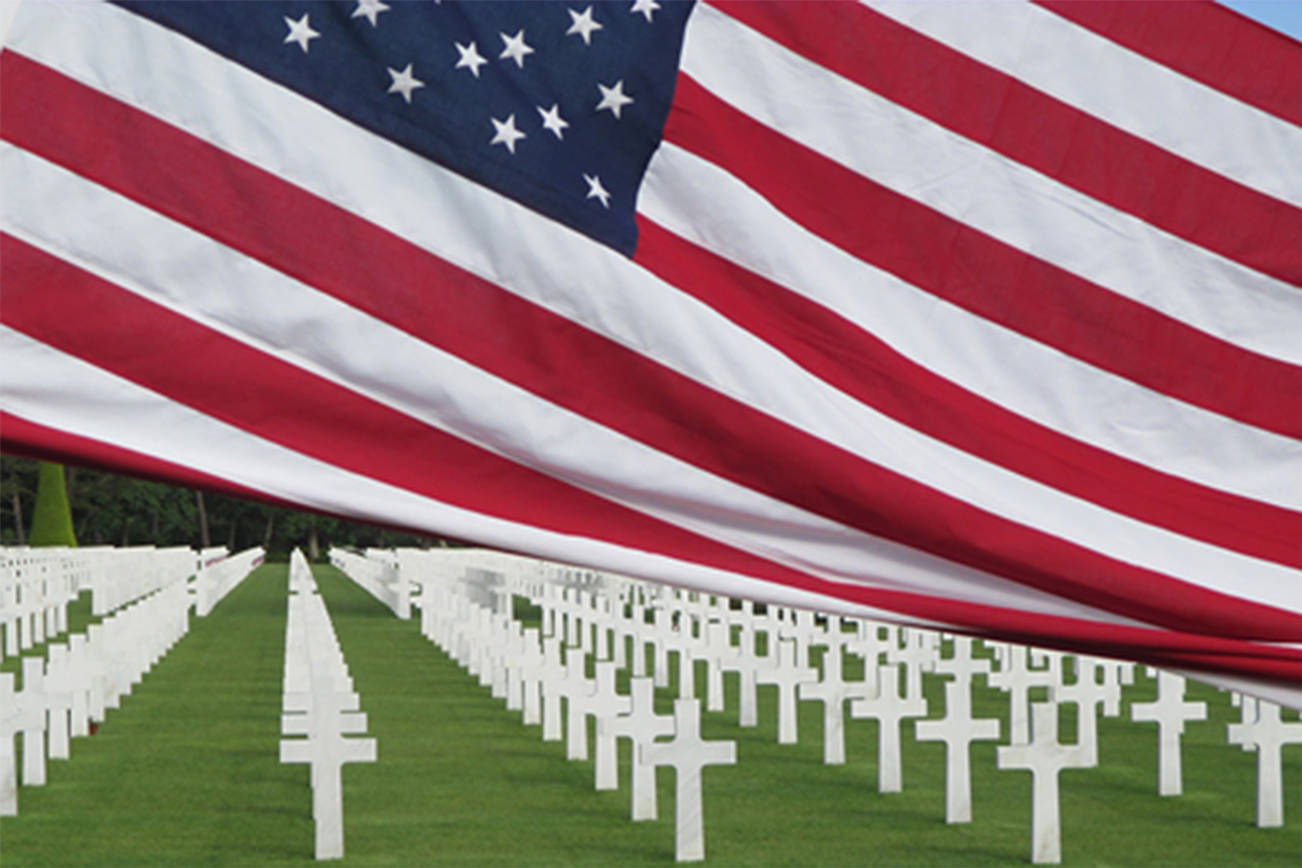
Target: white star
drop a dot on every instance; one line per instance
(404, 83)
(370, 10)
(596, 191)
(470, 58)
(583, 25)
(506, 133)
(515, 48)
(300, 31)
(613, 98)
(552, 120)
(646, 7)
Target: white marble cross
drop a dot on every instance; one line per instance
(10, 721)
(1086, 693)
(507, 666)
(1115, 674)
(961, 664)
(606, 703)
(601, 620)
(31, 711)
(746, 664)
(1043, 757)
(786, 675)
(58, 699)
(1268, 733)
(640, 725)
(530, 673)
(688, 754)
(1169, 712)
(1017, 679)
(79, 676)
(686, 669)
(663, 636)
(916, 652)
(641, 632)
(577, 688)
(833, 691)
(326, 751)
(625, 634)
(718, 646)
(888, 708)
(869, 645)
(552, 683)
(958, 729)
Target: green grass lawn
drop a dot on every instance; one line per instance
(186, 773)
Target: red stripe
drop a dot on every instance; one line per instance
(1026, 125)
(24, 437)
(251, 211)
(857, 362)
(148, 344)
(985, 276)
(1207, 42)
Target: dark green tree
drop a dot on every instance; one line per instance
(52, 516)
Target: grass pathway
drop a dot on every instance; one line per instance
(186, 772)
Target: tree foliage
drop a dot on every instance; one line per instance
(108, 509)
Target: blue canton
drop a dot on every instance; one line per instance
(556, 105)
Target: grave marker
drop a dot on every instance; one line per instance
(1044, 758)
(833, 692)
(606, 703)
(1086, 693)
(958, 729)
(640, 725)
(58, 699)
(30, 702)
(786, 675)
(10, 721)
(552, 683)
(1268, 734)
(1016, 678)
(888, 709)
(688, 754)
(1169, 711)
(577, 688)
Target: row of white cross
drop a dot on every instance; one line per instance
(219, 576)
(536, 678)
(319, 702)
(68, 692)
(377, 573)
(465, 605)
(38, 584)
(64, 695)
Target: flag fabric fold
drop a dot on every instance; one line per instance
(983, 317)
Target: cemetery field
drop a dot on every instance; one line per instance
(186, 772)
(79, 617)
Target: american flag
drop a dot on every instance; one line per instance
(979, 316)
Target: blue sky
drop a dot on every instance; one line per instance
(1285, 15)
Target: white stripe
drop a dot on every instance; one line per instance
(243, 299)
(1121, 87)
(920, 159)
(47, 387)
(50, 388)
(515, 248)
(1065, 394)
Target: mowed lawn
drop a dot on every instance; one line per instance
(186, 773)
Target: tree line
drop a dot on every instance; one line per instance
(110, 509)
